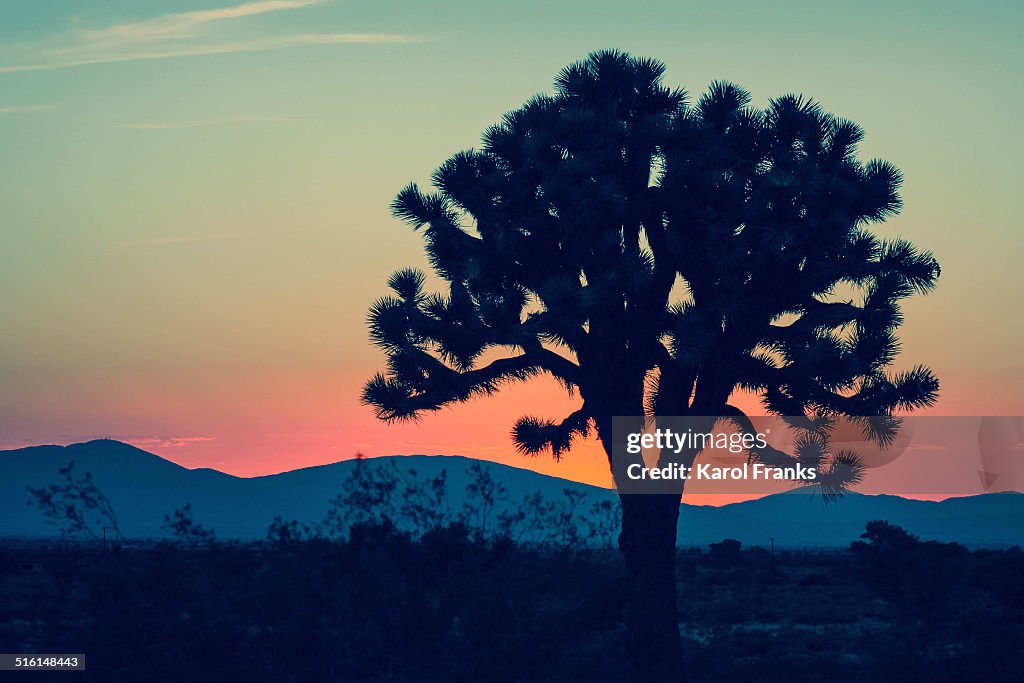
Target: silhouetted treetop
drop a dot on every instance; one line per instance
(654, 254)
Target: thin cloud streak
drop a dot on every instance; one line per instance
(259, 45)
(166, 441)
(181, 24)
(226, 121)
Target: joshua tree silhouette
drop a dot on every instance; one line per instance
(654, 255)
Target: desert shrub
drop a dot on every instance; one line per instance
(76, 505)
(726, 551)
(185, 529)
(290, 531)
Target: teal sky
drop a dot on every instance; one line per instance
(194, 200)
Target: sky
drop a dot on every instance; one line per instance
(194, 201)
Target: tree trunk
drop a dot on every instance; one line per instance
(648, 544)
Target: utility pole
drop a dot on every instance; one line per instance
(104, 538)
(773, 555)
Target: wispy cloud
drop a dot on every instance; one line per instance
(26, 109)
(166, 441)
(225, 121)
(183, 24)
(180, 34)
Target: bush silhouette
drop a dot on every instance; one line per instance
(76, 505)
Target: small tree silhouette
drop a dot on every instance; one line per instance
(726, 550)
(888, 537)
(424, 505)
(603, 523)
(76, 505)
(183, 526)
(655, 257)
(484, 494)
(368, 496)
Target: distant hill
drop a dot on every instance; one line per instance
(143, 487)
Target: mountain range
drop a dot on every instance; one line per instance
(143, 487)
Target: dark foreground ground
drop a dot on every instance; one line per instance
(380, 607)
